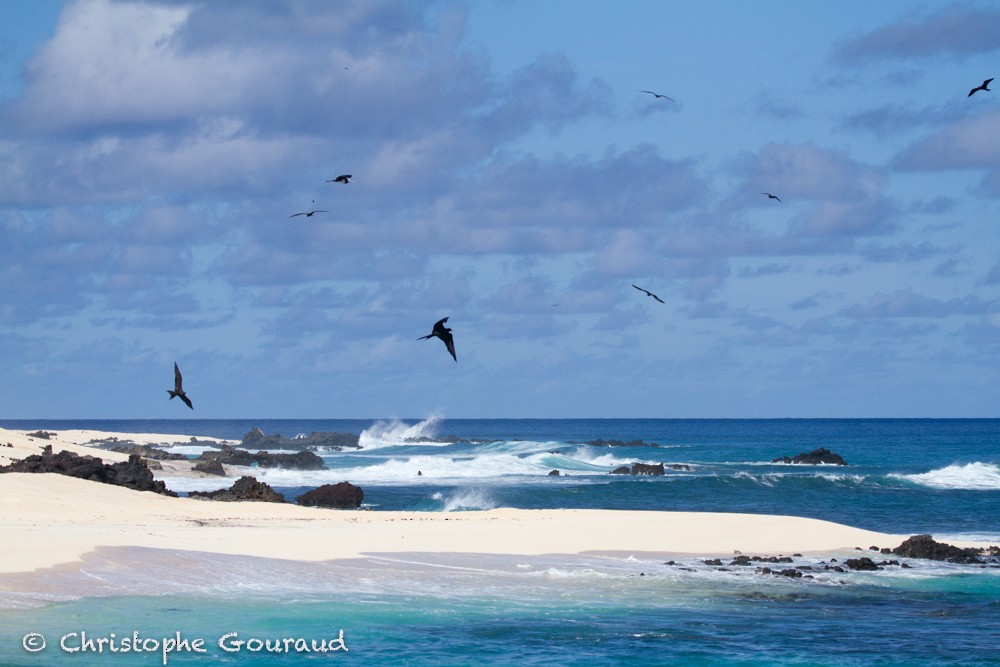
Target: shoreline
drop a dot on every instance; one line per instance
(48, 520)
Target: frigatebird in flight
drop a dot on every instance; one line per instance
(178, 389)
(658, 96)
(982, 87)
(307, 214)
(770, 196)
(343, 178)
(444, 333)
(648, 293)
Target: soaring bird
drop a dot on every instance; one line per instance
(770, 196)
(657, 95)
(308, 215)
(444, 333)
(343, 178)
(648, 293)
(982, 87)
(178, 389)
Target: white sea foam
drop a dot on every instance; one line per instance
(971, 476)
(188, 450)
(466, 499)
(990, 538)
(393, 432)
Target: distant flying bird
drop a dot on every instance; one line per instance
(444, 333)
(648, 293)
(770, 196)
(982, 87)
(343, 178)
(308, 215)
(657, 95)
(178, 389)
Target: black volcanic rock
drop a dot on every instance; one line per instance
(924, 546)
(257, 439)
(815, 457)
(44, 435)
(209, 468)
(243, 489)
(229, 455)
(133, 474)
(640, 469)
(863, 564)
(337, 496)
(618, 443)
(298, 461)
(791, 573)
(150, 452)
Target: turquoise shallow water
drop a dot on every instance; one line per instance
(905, 476)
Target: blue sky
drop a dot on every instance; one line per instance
(509, 174)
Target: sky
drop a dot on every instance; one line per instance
(509, 174)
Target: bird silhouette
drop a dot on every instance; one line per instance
(444, 333)
(343, 178)
(308, 214)
(770, 196)
(648, 293)
(178, 389)
(657, 95)
(982, 87)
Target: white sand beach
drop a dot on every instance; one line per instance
(48, 520)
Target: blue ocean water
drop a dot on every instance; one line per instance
(904, 476)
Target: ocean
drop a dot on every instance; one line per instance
(904, 476)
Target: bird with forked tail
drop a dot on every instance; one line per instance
(178, 390)
(444, 333)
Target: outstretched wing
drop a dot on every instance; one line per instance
(187, 401)
(439, 328)
(178, 380)
(449, 342)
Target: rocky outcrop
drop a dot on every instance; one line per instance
(618, 443)
(863, 564)
(297, 461)
(640, 469)
(339, 496)
(229, 455)
(924, 546)
(149, 452)
(244, 489)
(133, 474)
(44, 435)
(257, 439)
(821, 456)
(209, 468)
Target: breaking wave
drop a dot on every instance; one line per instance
(466, 499)
(971, 476)
(394, 432)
